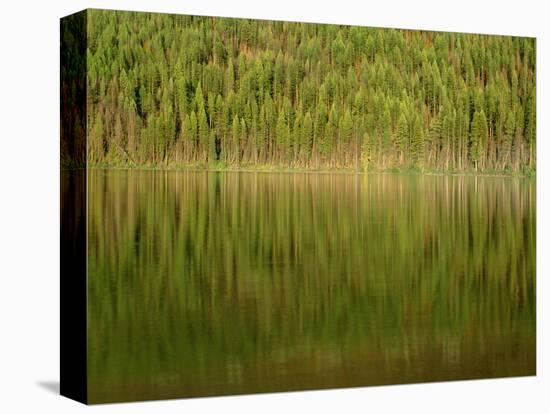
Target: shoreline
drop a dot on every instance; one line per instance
(267, 169)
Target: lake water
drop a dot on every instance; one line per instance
(209, 283)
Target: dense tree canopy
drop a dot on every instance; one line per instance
(200, 91)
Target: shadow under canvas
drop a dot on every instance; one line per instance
(51, 386)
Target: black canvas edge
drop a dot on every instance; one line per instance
(73, 207)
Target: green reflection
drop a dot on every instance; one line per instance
(205, 283)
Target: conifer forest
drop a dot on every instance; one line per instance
(208, 92)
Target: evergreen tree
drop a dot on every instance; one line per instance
(417, 140)
(401, 137)
(478, 138)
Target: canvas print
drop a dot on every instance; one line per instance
(256, 206)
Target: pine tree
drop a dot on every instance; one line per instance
(478, 138)
(236, 137)
(508, 138)
(366, 151)
(307, 136)
(434, 137)
(417, 141)
(283, 137)
(401, 137)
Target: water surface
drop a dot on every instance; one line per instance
(208, 283)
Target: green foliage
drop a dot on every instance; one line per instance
(478, 140)
(366, 148)
(166, 90)
(401, 136)
(417, 140)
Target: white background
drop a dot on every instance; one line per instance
(29, 206)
